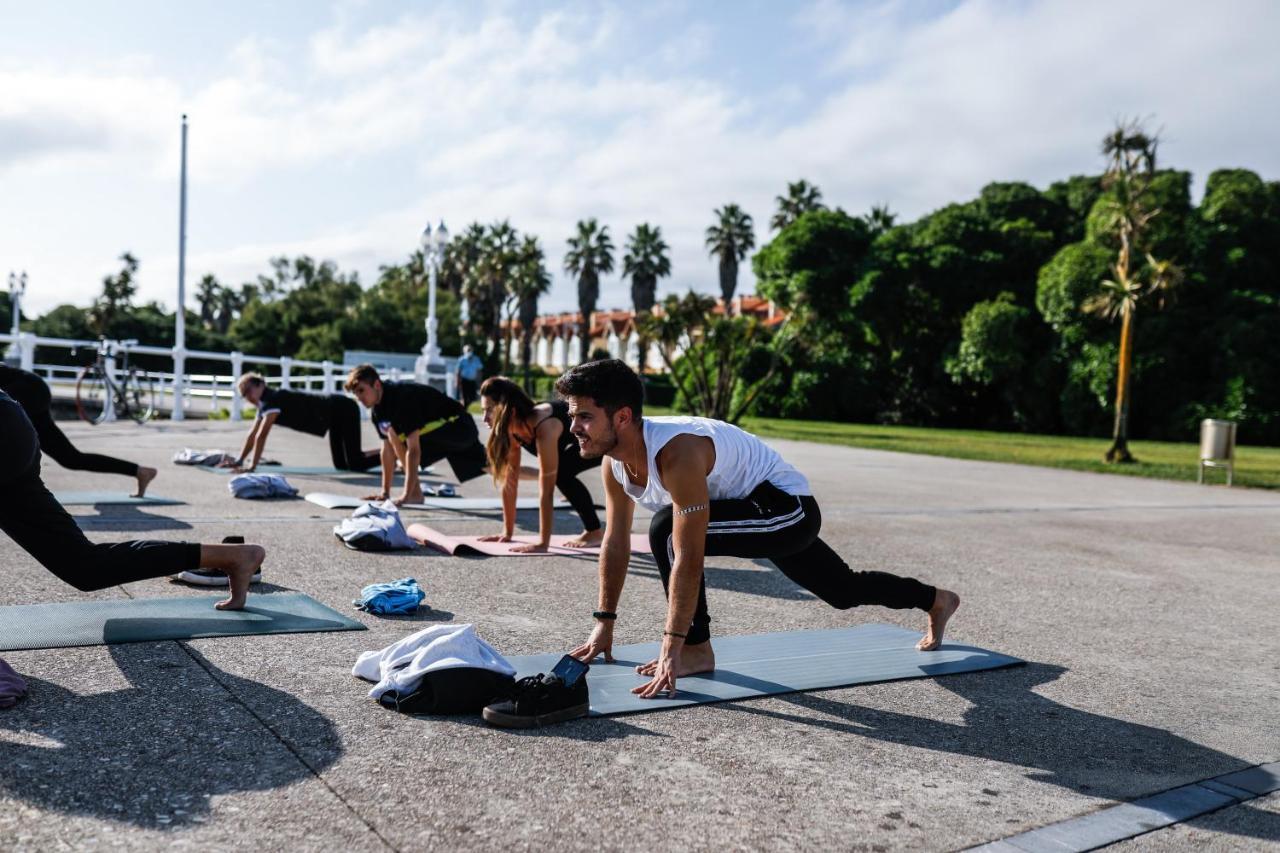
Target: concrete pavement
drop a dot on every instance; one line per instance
(1145, 610)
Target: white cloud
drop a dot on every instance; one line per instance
(562, 116)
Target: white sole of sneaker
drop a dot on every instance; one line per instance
(211, 580)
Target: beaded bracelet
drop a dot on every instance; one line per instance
(691, 509)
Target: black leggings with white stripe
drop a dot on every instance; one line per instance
(783, 528)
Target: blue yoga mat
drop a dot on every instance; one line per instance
(105, 623)
(110, 498)
(771, 664)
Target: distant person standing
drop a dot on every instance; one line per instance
(31, 392)
(470, 366)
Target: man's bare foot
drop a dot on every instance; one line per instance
(238, 563)
(589, 539)
(693, 660)
(945, 603)
(416, 497)
(145, 476)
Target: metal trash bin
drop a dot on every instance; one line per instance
(1217, 447)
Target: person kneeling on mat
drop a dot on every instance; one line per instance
(32, 393)
(715, 490)
(33, 518)
(336, 414)
(419, 425)
(517, 422)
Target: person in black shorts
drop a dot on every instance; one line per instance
(419, 425)
(517, 422)
(316, 414)
(31, 392)
(33, 518)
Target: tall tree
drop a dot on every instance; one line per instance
(645, 262)
(801, 198)
(880, 219)
(590, 254)
(729, 240)
(531, 281)
(117, 296)
(460, 256)
(487, 287)
(1128, 211)
(208, 294)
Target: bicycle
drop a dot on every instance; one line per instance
(98, 393)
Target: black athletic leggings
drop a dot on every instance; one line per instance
(783, 528)
(36, 401)
(570, 465)
(31, 516)
(344, 438)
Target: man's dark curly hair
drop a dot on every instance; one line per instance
(610, 382)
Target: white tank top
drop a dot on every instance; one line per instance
(742, 462)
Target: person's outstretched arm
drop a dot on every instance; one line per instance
(615, 556)
(510, 490)
(547, 437)
(248, 445)
(262, 427)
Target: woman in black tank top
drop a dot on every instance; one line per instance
(516, 423)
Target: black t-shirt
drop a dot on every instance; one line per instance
(407, 407)
(298, 410)
(19, 449)
(25, 387)
(566, 443)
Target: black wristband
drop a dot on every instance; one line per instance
(675, 634)
(604, 614)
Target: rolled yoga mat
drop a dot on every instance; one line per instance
(105, 623)
(770, 664)
(463, 545)
(329, 500)
(110, 499)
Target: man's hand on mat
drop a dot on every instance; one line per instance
(498, 537)
(599, 643)
(529, 549)
(683, 660)
(663, 670)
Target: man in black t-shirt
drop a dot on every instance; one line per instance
(315, 414)
(419, 425)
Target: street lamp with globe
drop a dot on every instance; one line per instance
(433, 242)
(17, 289)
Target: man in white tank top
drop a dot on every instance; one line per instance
(715, 491)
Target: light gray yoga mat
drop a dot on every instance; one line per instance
(770, 664)
(110, 499)
(328, 500)
(103, 623)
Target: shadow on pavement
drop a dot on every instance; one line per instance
(153, 754)
(127, 517)
(1008, 722)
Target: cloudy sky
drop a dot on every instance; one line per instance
(339, 130)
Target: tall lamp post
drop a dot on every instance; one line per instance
(433, 243)
(17, 289)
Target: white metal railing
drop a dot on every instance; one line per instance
(185, 392)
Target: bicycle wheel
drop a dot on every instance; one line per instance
(91, 394)
(139, 397)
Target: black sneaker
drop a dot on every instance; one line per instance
(539, 700)
(213, 577)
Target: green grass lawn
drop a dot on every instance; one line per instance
(1255, 466)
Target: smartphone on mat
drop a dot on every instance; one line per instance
(570, 669)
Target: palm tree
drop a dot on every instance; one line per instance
(880, 219)
(646, 261)
(1131, 166)
(460, 256)
(207, 295)
(530, 282)
(486, 286)
(590, 254)
(801, 198)
(729, 240)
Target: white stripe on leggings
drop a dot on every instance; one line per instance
(798, 512)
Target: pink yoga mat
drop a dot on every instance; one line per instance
(456, 545)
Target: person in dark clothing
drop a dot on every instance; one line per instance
(31, 392)
(517, 422)
(419, 425)
(33, 518)
(315, 414)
